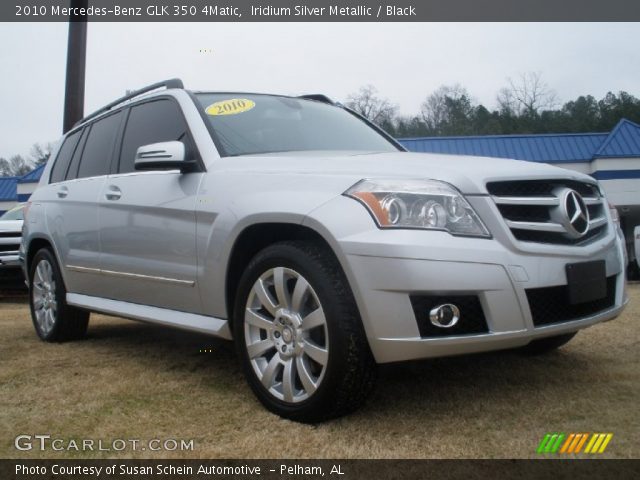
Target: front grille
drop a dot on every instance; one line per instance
(556, 238)
(538, 188)
(533, 212)
(472, 319)
(10, 234)
(10, 248)
(551, 305)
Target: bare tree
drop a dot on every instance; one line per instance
(40, 153)
(5, 169)
(20, 165)
(367, 103)
(15, 166)
(527, 95)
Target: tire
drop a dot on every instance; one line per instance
(53, 319)
(545, 345)
(310, 360)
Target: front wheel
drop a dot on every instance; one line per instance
(299, 335)
(53, 319)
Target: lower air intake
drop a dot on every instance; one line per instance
(551, 305)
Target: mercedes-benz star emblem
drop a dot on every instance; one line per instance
(576, 213)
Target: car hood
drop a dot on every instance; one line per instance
(469, 174)
(11, 226)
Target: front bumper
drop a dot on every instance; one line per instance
(385, 268)
(384, 293)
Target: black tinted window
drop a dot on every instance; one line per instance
(97, 151)
(159, 121)
(64, 157)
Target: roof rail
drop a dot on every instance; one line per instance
(318, 97)
(171, 83)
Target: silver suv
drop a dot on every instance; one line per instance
(313, 239)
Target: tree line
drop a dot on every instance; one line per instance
(526, 105)
(18, 165)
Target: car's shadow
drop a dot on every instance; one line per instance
(444, 385)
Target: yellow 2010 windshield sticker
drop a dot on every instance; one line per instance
(232, 106)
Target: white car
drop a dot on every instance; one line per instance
(10, 237)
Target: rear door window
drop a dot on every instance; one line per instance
(63, 159)
(152, 122)
(96, 157)
(72, 172)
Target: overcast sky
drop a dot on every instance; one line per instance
(405, 62)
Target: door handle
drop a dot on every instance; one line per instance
(113, 193)
(62, 192)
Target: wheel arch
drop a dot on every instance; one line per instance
(35, 244)
(254, 238)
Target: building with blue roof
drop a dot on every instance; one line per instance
(8, 193)
(622, 142)
(14, 190)
(547, 148)
(28, 183)
(612, 158)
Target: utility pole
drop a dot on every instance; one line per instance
(76, 66)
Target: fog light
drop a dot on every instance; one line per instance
(444, 316)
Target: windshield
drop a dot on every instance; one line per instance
(14, 214)
(245, 124)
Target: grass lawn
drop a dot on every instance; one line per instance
(129, 380)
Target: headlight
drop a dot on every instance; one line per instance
(423, 204)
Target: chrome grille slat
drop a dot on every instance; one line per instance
(537, 226)
(548, 201)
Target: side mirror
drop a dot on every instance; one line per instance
(162, 156)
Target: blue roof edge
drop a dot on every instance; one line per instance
(517, 135)
(36, 171)
(507, 158)
(611, 136)
(8, 189)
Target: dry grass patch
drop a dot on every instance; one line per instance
(135, 381)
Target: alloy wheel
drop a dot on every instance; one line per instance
(286, 335)
(45, 305)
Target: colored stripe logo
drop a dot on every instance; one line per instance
(562, 443)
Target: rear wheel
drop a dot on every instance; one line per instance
(53, 319)
(299, 335)
(548, 344)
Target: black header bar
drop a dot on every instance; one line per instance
(576, 469)
(324, 11)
